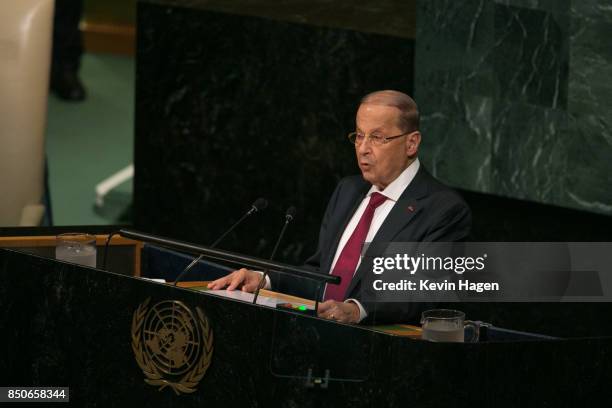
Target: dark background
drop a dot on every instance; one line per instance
(233, 107)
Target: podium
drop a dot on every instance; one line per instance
(118, 340)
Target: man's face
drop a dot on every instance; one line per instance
(380, 165)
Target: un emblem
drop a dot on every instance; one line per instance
(173, 347)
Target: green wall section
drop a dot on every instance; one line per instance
(91, 140)
(516, 98)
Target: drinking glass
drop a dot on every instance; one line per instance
(448, 325)
(77, 248)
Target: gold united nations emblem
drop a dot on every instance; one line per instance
(173, 347)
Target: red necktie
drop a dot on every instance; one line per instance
(349, 257)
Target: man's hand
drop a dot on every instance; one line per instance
(244, 279)
(339, 311)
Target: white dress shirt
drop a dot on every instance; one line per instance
(393, 192)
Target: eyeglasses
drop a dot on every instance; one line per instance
(358, 138)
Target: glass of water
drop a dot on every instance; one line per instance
(77, 248)
(447, 325)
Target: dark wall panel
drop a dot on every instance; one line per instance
(230, 108)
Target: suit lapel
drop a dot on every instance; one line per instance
(345, 213)
(400, 216)
(402, 213)
(405, 208)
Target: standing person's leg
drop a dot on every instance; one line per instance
(67, 50)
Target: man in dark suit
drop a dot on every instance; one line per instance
(394, 200)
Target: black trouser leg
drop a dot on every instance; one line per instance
(67, 40)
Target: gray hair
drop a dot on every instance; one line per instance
(409, 111)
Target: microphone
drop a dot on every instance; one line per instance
(289, 216)
(259, 205)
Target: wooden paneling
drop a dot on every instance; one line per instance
(50, 240)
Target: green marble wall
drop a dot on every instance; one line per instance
(516, 98)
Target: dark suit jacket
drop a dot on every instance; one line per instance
(426, 211)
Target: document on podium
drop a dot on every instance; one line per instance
(266, 297)
(246, 297)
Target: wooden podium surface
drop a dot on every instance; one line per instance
(125, 252)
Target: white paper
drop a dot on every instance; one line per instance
(246, 297)
(154, 279)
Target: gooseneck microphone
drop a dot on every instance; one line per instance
(289, 216)
(259, 205)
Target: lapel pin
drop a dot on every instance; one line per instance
(410, 208)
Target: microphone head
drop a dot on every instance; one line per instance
(260, 204)
(290, 214)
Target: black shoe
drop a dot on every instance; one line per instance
(67, 85)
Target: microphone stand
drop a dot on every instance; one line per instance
(260, 203)
(288, 218)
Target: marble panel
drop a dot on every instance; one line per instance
(588, 180)
(453, 87)
(530, 155)
(590, 89)
(231, 107)
(542, 67)
(531, 56)
(83, 328)
(588, 183)
(455, 40)
(590, 8)
(457, 139)
(547, 5)
(389, 17)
